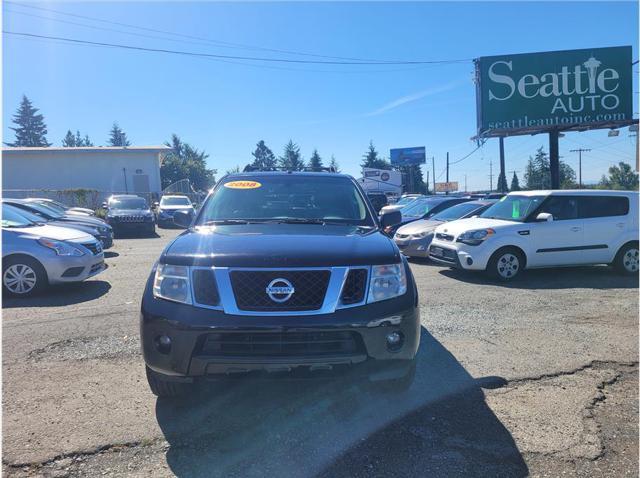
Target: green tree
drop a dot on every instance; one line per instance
(418, 179)
(117, 137)
(537, 173)
(502, 183)
(74, 141)
(333, 164)
(621, 177)
(234, 170)
(315, 161)
(69, 141)
(30, 128)
(186, 162)
(263, 157)
(515, 182)
(371, 159)
(291, 160)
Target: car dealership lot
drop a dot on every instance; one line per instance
(534, 377)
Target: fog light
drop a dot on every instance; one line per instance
(394, 341)
(469, 261)
(163, 344)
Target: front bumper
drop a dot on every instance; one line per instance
(414, 247)
(63, 269)
(459, 255)
(189, 327)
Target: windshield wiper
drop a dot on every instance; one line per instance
(224, 222)
(296, 220)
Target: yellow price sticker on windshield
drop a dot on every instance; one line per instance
(242, 185)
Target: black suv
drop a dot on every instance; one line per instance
(280, 272)
(128, 213)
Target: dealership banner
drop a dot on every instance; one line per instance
(449, 187)
(538, 92)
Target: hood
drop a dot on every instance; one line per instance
(53, 232)
(85, 220)
(462, 225)
(280, 245)
(419, 226)
(81, 211)
(129, 212)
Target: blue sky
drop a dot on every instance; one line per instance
(226, 107)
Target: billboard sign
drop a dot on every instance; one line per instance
(408, 156)
(449, 187)
(538, 92)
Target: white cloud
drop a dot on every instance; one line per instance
(403, 100)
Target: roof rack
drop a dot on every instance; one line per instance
(328, 169)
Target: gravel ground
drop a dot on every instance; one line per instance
(535, 378)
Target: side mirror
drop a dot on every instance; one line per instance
(182, 219)
(544, 217)
(390, 218)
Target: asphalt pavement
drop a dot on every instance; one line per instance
(534, 378)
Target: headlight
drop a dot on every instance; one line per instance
(421, 235)
(387, 282)
(172, 283)
(473, 238)
(103, 230)
(62, 248)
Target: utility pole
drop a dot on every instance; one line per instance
(579, 151)
(427, 180)
(491, 175)
(465, 183)
(447, 172)
(502, 167)
(433, 165)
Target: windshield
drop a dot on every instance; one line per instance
(128, 203)
(41, 209)
(13, 217)
(406, 200)
(285, 197)
(175, 201)
(513, 208)
(51, 205)
(456, 212)
(420, 208)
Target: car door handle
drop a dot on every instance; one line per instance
(576, 229)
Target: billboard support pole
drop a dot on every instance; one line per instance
(554, 159)
(503, 174)
(433, 165)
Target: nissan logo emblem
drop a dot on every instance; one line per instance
(280, 290)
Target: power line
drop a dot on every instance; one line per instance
(212, 55)
(223, 44)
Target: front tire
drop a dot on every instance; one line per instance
(505, 264)
(626, 261)
(164, 388)
(23, 276)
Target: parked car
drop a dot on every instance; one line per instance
(167, 207)
(413, 239)
(529, 229)
(404, 201)
(129, 213)
(35, 255)
(424, 208)
(280, 271)
(92, 225)
(63, 208)
(378, 200)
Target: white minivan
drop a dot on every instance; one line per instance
(528, 229)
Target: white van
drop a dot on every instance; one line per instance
(528, 229)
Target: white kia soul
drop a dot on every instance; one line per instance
(528, 229)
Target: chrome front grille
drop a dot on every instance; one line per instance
(444, 237)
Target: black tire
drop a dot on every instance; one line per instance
(16, 264)
(163, 388)
(506, 264)
(626, 261)
(396, 385)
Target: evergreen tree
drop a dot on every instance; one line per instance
(620, 177)
(30, 128)
(538, 173)
(263, 157)
(418, 179)
(502, 183)
(315, 161)
(186, 162)
(69, 141)
(291, 160)
(333, 164)
(117, 137)
(515, 182)
(372, 160)
(87, 141)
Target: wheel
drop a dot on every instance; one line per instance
(505, 264)
(626, 261)
(23, 276)
(163, 388)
